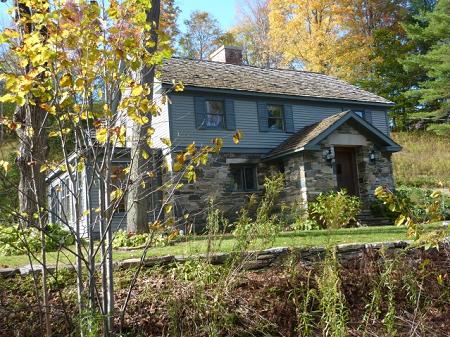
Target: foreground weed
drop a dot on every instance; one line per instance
(332, 301)
(383, 291)
(90, 323)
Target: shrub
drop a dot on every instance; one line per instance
(413, 215)
(16, 241)
(417, 201)
(335, 209)
(57, 237)
(124, 239)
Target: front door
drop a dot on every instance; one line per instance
(346, 172)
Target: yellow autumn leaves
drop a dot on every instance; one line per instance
(4, 165)
(325, 36)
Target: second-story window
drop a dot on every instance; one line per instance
(215, 114)
(275, 117)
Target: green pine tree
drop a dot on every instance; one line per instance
(432, 28)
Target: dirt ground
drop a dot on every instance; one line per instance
(404, 295)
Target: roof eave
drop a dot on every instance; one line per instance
(189, 88)
(314, 144)
(307, 147)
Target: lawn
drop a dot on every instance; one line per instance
(198, 245)
(424, 160)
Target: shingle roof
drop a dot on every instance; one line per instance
(310, 135)
(216, 75)
(304, 136)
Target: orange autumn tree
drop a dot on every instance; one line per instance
(331, 37)
(306, 32)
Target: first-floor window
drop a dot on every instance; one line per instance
(118, 181)
(66, 200)
(54, 207)
(215, 114)
(245, 178)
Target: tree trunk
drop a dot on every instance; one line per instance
(33, 148)
(139, 200)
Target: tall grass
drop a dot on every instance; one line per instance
(424, 160)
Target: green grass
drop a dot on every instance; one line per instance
(198, 245)
(424, 160)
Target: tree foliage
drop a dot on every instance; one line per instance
(168, 23)
(433, 29)
(77, 81)
(252, 33)
(202, 36)
(332, 37)
(305, 32)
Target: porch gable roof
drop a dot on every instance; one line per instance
(309, 137)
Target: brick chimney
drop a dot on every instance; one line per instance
(227, 54)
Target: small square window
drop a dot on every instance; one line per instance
(244, 178)
(215, 114)
(275, 115)
(359, 113)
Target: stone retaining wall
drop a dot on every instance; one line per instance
(253, 260)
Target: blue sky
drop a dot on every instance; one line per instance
(222, 10)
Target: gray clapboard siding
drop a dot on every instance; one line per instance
(184, 129)
(380, 121)
(57, 183)
(247, 117)
(305, 115)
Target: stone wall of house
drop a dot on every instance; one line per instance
(295, 188)
(371, 174)
(308, 173)
(319, 173)
(216, 181)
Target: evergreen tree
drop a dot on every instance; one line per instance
(432, 28)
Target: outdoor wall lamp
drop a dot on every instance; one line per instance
(328, 155)
(372, 156)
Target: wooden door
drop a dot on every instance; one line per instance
(346, 172)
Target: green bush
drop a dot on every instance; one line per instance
(295, 217)
(17, 241)
(124, 239)
(57, 237)
(335, 209)
(420, 199)
(417, 200)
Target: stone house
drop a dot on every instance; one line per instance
(322, 132)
